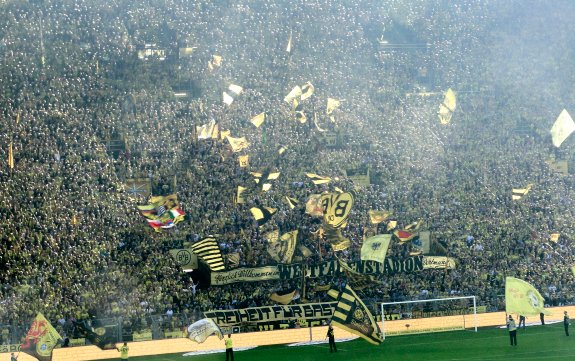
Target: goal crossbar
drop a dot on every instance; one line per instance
(450, 320)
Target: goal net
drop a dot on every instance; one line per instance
(425, 316)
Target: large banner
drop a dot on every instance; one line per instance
(390, 266)
(316, 311)
(245, 275)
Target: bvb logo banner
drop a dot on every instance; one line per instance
(185, 258)
(336, 208)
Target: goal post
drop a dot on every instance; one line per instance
(426, 316)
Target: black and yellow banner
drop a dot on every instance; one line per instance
(185, 258)
(336, 208)
(332, 267)
(209, 250)
(262, 214)
(102, 336)
(352, 315)
(323, 310)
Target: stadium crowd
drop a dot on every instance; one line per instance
(74, 246)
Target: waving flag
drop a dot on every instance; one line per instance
(352, 315)
(263, 214)
(375, 248)
(162, 212)
(200, 330)
(522, 298)
(447, 108)
(41, 339)
(518, 193)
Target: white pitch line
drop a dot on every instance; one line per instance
(198, 353)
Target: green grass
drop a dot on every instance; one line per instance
(547, 343)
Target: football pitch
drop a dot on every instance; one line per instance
(535, 343)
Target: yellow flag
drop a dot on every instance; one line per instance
(237, 144)
(341, 244)
(450, 100)
(40, 339)
(518, 193)
(522, 298)
(332, 104)
(224, 134)
(216, 132)
(258, 119)
(444, 115)
(378, 216)
(262, 214)
(562, 128)
(281, 250)
(555, 237)
(307, 90)
(447, 108)
(292, 202)
(293, 94)
(10, 156)
(283, 299)
(375, 248)
(239, 198)
(244, 160)
(318, 179)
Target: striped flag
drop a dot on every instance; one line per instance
(352, 315)
(209, 250)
